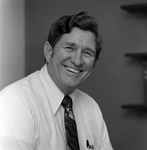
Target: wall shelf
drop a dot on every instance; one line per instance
(141, 56)
(135, 8)
(136, 107)
(138, 55)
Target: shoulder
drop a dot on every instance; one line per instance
(20, 86)
(19, 96)
(88, 102)
(85, 97)
(19, 93)
(16, 110)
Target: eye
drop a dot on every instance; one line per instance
(88, 53)
(69, 48)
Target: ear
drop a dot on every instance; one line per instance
(47, 51)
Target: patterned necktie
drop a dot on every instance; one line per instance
(70, 124)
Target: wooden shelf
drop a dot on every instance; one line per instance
(138, 55)
(142, 56)
(136, 107)
(135, 8)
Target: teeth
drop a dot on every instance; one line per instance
(72, 70)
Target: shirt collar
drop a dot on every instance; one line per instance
(54, 94)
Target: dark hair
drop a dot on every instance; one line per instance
(65, 24)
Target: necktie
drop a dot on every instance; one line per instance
(70, 124)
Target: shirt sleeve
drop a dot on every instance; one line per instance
(105, 141)
(16, 123)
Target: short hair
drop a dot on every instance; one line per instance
(80, 20)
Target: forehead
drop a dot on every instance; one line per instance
(79, 38)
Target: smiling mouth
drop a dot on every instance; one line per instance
(72, 70)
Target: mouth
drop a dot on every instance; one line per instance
(72, 70)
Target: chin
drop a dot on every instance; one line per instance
(71, 85)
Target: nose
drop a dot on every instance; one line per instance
(76, 58)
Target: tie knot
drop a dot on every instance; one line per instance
(67, 102)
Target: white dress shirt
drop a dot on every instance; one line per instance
(32, 118)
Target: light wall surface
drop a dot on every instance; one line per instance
(12, 41)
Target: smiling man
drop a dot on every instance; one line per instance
(46, 110)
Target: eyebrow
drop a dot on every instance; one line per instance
(70, 43)
(86, 48)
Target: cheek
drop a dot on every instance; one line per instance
(89, 64)
(61, 54)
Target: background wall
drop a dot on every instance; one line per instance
(12, 41)
(116, 80)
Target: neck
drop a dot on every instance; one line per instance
(67, 90)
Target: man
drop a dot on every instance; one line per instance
(32, 113)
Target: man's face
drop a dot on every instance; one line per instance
(72, 59)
